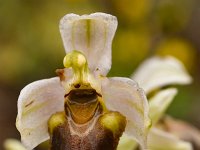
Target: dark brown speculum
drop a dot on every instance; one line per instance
(83, 127)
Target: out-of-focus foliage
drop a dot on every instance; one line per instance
(31, 47)
(136, 40)
(30, 39)
(131, 11)
(172, 16)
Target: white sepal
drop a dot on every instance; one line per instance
(124, 95)
(92, 35)
(157, 72)
(160, 102)
(161, 140)
(13, 144)
(36, 103)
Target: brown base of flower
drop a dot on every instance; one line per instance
(99, 134)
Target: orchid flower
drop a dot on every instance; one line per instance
(87, 41)
(152, 75)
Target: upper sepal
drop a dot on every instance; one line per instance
(91, 34)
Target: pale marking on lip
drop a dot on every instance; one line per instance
(91, 126)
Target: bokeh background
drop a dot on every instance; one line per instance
(31, 46)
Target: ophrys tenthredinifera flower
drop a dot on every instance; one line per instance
(79, 106)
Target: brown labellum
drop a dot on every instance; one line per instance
(83, 127)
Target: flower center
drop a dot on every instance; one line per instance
(82, 102)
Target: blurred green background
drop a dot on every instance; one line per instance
(31, 46)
